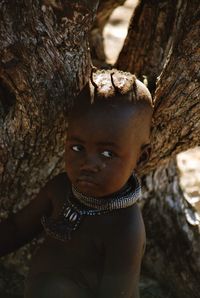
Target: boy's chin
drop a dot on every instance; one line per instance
(90, 189)
(87, 188)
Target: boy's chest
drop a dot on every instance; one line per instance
(82, 245)
(84, 229)
(78, 258)
(82, 254)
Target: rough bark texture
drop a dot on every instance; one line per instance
(173, 234)
(149, 38)
(173, 227)
(176, 125)
(44, 61)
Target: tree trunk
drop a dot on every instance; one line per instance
(164, 42)
(104, 11)
(44, 62)
(149, 39)
(173, 235)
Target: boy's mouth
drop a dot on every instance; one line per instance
(86, 187)
(86, 181)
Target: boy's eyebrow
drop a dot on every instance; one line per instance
(75, 139)
(107, 144)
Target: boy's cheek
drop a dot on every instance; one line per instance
(70, 159)
(72, 167)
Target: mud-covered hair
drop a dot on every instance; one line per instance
(108, 84)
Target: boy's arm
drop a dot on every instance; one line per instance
(23, 226)
(124, 247)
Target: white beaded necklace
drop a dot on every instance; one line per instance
(122, 199)
(78, 205)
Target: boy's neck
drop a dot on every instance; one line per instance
(127, 196)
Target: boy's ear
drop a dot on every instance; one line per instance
(144, 155)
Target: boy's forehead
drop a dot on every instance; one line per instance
(108, 120)
(103, 115)
(115, 107)
(120, 124)
(112, 114)
(101, 129)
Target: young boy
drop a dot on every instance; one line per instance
(94, 232)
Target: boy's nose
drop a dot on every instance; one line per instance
(91, 164)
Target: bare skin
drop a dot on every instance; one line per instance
(103, 258)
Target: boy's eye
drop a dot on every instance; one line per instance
(107, 153)
(77, 148)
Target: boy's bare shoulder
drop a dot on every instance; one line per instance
(126, 217)
(126, 224)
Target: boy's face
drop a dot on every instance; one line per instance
(103, 147)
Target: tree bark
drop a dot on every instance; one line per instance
(168, 50)
(44, 62)
(149, 39)
(105, 9)
(177, 106)
(173, 233)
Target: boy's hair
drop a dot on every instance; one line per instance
(109, 83)
(106, 84)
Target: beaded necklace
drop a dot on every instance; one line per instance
(77, 206)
